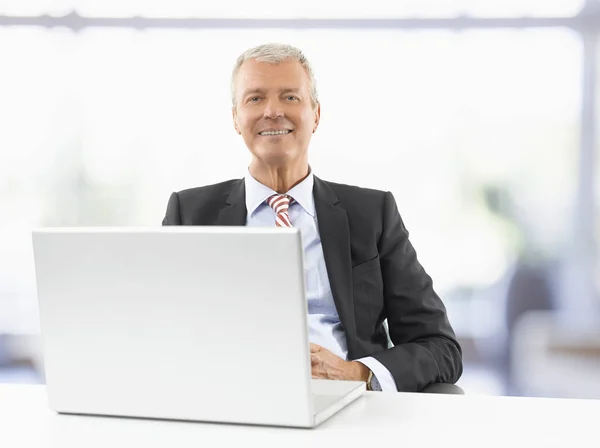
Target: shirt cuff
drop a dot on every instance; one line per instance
(382, 378)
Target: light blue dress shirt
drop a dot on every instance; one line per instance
(324, 326)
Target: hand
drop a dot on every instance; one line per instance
(326, 365)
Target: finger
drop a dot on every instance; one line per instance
(318, 372)
(314, 348)
(314, 360)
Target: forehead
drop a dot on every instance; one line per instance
(263, 75)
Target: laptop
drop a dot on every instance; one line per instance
(186, 323)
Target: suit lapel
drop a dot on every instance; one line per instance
(335, 240)
(234, 213)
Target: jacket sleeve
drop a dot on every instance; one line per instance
(425, 347)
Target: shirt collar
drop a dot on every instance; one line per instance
(257, 194)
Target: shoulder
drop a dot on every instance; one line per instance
(201, 205)
(215, 191)
(349, 194)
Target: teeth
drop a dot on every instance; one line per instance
(282, 132)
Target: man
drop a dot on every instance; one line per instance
(360, 267)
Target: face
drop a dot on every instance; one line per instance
(273, 111)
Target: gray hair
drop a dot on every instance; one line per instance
(274, 54)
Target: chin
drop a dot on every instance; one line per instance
(273, 156)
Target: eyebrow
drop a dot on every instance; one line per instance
(262, 91)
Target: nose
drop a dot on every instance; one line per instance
(273, 110)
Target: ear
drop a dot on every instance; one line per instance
(234, 116)
(317, 117)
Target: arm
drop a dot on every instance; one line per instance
(173, 215)
(425, 348)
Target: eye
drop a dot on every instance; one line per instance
(291, 97)
(253, 99)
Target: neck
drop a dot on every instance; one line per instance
(279, 178)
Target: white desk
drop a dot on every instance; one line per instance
(375, 420)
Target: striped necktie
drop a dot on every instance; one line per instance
(280, 203)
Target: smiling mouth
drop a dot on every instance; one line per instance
(275, 132)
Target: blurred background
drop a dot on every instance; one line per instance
(481, 116)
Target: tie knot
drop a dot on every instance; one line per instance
(280, 204)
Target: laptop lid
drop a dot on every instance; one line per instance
(193, 323)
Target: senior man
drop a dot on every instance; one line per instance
(360, 266)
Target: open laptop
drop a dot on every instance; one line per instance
(186, 323)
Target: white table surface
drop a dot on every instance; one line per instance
(374, 420)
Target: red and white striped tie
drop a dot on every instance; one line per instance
(281, 203)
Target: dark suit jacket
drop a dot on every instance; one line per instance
(373, 271)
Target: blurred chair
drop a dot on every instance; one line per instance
(557, 355)
(531, 288)
(443, 388)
